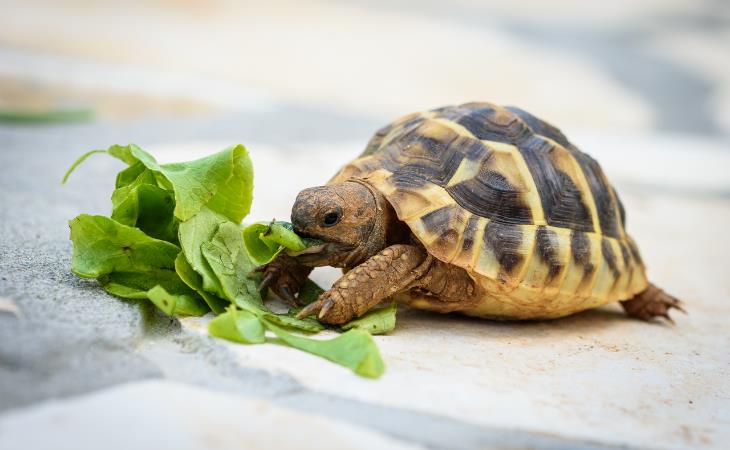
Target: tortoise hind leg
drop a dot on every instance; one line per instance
(650, 303)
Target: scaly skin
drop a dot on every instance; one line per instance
(444, 288)
(285, 277)
(650, 303)
(394, 269)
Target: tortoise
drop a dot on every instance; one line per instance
(478, 209)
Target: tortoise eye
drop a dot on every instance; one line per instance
(330, 218)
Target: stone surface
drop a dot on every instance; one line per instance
(158, 414)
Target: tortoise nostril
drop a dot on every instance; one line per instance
(299, 220)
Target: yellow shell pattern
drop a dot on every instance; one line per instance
(505, 196)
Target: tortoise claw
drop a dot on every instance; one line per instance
(267, 281)
(321, 308)
(326, 306)
(678, 307)
(310, 309)
(286, 294)
(283, 276)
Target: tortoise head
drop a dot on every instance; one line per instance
(348, 217)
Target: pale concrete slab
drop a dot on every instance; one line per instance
(164, 415)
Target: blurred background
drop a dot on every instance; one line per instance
(623, 66)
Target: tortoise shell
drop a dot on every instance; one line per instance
(507, 197)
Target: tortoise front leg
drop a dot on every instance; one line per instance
(394, 269)
(284, 275)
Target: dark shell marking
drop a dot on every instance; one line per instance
(621, 210)
(489, 194)
(415, 156)
(610, 257)
(505, 241)
(634, 251)
(625, 255)
(580, 246)
(446, 223)
(606, 207)
(470, 231)
(562, 201)
(486, 122)
(540, 127)
(547, 249)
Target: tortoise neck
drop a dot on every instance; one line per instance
(378, 236)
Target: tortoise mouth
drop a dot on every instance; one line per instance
(325, 254)
(326, 240)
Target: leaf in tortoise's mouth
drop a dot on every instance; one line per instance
(319, 252)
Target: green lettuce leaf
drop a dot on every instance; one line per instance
(377, 321)
(191, 278)
(223, 182)
(144, 205)
(177, 304)
(238, 326)
(354, 349)
(227, 258)
(130, 264)
(136, 284)
(195, 232)
(265, 240)
(102, 246)
(226, 255)
(290, 321)
(78, 161)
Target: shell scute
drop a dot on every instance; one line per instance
(606, 206)
(446, 225)
(563, 203)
